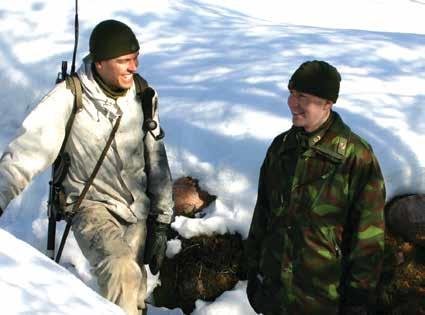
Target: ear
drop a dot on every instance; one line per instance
(328, 105)
(98, 65)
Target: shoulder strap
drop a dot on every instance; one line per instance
(149, 107)
(97, 166)
(74, 84)
(141, 85)
(145, 95)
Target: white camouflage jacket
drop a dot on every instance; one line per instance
(135, 166)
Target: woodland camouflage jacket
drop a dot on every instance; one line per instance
(319, 211)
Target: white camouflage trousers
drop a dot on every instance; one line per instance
(114, 249)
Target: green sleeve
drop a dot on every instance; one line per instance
(366, 222)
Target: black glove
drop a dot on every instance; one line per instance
(156, 244)
(355, 310)
(1, 211)
(254, 292)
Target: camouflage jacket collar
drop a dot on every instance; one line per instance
(329, 141)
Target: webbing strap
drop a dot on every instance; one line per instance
(141, 84)
(147, 107)
(78, 91)
(74, 84)
(97, 166)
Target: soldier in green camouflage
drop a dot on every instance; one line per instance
(316, 240)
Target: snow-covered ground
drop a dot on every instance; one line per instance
(221, 69)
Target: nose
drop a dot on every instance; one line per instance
(292, 101)
(133, 64)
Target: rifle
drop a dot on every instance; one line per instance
(55, 211)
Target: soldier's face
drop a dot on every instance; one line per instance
(117, 72)
(308, 111)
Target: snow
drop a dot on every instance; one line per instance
(221, 69)
(32, 284)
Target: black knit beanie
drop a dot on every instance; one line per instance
(110, 39)
(318, 78)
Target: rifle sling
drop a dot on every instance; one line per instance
(96, 168)
(73, 83)
(141, 84)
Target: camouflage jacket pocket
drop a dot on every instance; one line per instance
(317, 265)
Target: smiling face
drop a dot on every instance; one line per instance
(308, 111)
(118, 72)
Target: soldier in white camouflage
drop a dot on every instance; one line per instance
(133, 182)
(316, 240)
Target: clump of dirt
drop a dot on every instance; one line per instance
(205, 267)
(405, 217)
(189, 198)
(402, 287)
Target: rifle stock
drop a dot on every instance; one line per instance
(51, 230)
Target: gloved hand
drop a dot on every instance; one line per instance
(156, 244)
(1, 211)
(254, 291)
(355, 310)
